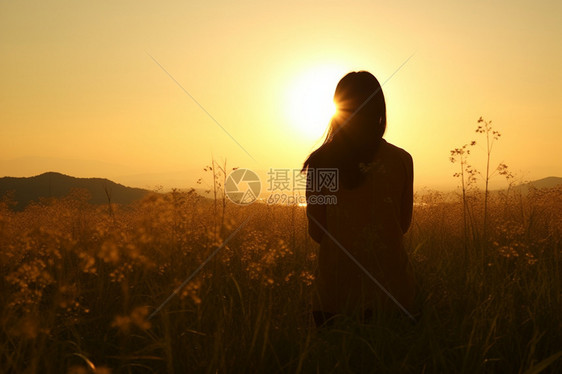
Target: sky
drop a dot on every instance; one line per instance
(148, 93)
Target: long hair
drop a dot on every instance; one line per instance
(356, 129)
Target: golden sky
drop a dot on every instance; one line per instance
(81, 92)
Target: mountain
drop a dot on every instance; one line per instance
(35, 165)
(545, 182)
(26, 190)
(548, 182)
(183, 177)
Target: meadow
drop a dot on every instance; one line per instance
(79, 284)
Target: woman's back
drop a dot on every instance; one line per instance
(367, 221)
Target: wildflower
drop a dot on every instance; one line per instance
(289, 276)
(109, 252)
(136, 318)
(307, 277)
(192, 291)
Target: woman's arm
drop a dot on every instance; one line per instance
(407, 196)
(316, 221)
(316, 213)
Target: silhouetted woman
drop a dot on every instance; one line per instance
(372, 211)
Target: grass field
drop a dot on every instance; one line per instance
(79, 283)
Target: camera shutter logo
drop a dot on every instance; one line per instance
(242, 186)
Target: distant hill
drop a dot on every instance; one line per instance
(548, 182)
(26, 190)
(545, 182)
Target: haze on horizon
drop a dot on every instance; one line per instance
(82, 91)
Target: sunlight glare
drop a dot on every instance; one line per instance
(310, 100)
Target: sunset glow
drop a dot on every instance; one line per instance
(310, 104)
(82, 95)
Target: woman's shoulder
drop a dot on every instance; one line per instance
(396, 151)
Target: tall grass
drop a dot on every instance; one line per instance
(78, 284)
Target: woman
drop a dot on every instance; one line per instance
(362, 264)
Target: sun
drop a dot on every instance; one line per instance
(310, 100)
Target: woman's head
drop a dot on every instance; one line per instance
(361, 108)
(355, 130)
